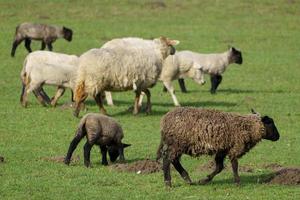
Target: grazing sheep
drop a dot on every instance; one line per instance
(46, 33)
(212, 64)
(100, 130)
(44, 67)
(195, 131)
(121, 65)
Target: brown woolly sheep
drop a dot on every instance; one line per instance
(46, 33)
(100, 130)
(196, 131)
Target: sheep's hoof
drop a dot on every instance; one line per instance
(76, 113)
(87, 164)
(67, 161)
(168, 184)
(24, 104)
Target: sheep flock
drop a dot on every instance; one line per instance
(137, 64)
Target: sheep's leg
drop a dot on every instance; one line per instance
(50, 47)
(43, 46)
(60, 91)
(39, 97)
(167, 173)
(23, 98)
(109, 99)
(170, 88)
(45, 96)
(219, 159)
(136, 102)
(182, 85)
(72, 96)
(99, 101)
(148, 107)
(141, 99)
(183, 173)
(215, 81)
(14, 47)
(72, 147)
(27, 44)
(104, 155)
(235, 164)
(87, 153)
(78, 104)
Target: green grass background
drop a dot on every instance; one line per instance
(267, 32)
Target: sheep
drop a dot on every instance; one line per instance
(176, 66)
(197, 131)
(212, 64)
(100, 130)
(121, 65)
(46, 33)
(44, 67)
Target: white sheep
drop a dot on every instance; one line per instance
(121, 65)
(212, 64)
(50, 68)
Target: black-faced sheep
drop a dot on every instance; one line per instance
(212, 64)
(122, 65)
(195, 131)
(100, 130)
(46, 33)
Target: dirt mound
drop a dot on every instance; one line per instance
(285, 176)
(60, 159)
(140, 167)
(1, 159)
(273, 166)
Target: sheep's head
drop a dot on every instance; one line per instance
(271, 130)
(68, 33)
(167, 46)
(113, 151)
(235, 56)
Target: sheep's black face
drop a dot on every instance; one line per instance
(68, 33)
(271, 130)
(172, 50)
(236, 56)
(113, 151)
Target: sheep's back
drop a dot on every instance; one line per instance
(197, 131)
(118, 69)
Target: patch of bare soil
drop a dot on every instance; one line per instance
(285, 176)
(60, 159)
(156, 4)
(140, 167)
(273, 166)
(1, 159)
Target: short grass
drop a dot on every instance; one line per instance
(266, 31)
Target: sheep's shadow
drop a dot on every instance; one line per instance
(237, 91)
(245, 179)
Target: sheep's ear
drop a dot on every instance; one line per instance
(168, 41)
(126, 145)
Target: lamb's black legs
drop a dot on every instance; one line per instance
(215, 81)
(182, 85)
(104, 153)
(14, 47)
(87, 152)
(27, 44)
(167, 173)
(71, 149)
(234, 164)
(183, 173)
(50, 47)
(43, 46)
(219, 159)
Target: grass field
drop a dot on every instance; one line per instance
(267, 32)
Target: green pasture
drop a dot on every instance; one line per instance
(266, 31)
